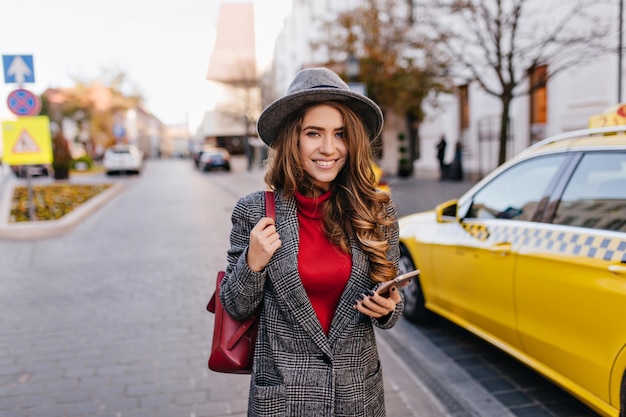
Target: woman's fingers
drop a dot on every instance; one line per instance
(375, 305)
(264, 241)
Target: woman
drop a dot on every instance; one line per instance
(311, 272)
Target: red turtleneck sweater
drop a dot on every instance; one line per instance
(324, 268)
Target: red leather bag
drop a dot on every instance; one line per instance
(232, 350)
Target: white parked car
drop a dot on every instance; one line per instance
(123, 159)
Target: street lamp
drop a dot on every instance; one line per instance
(353, 67)
(353, 70)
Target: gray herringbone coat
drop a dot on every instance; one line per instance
(299, 371)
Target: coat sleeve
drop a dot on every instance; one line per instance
(242, 289)
(393, 236)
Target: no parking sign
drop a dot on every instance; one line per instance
(22, 102)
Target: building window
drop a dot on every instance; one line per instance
(463, 107)
(538, 102)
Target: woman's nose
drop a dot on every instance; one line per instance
(327, 146)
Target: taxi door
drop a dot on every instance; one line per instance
(476, 260)
(571, 279)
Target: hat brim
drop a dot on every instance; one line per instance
(274, 116)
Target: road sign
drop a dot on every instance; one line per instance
(18, 69)
(119, 131)
(27, 141)
(22, 102)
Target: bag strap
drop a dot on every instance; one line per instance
(270, 205)
(243, 328)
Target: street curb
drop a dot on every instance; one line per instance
(51, 228)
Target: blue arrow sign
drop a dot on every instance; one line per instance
(18, 69)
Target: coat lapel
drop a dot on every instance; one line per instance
(356, 286)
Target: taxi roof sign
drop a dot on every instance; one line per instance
(27, 141)
(613, 116)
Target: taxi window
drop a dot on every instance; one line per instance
(515, 193)
(595, 196)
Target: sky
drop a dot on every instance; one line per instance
(163, 46)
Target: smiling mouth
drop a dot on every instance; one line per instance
(325, 164)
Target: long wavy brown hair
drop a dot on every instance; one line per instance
(356, 209)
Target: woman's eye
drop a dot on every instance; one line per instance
(312, 133)
(339, 135)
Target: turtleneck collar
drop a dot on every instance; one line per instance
(311, 206)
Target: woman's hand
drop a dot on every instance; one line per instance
(264, 240)
(376, 305)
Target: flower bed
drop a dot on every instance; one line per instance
(51, 201)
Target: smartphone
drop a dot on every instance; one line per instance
(384, 288)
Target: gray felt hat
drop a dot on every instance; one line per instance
(312, 85)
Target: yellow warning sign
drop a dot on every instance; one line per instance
(26, 141)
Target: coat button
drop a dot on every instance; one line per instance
(325, 359)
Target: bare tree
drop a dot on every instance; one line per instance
(497, 43)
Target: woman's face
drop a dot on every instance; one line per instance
(321, 145)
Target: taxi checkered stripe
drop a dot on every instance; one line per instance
(545, 240)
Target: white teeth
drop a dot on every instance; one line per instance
(324, 163)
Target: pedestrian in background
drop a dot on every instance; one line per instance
(312, 271)
(456, 167)
(441, 154)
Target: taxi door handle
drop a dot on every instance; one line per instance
(618, 269)
(500, 249)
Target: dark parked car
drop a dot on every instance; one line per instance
(210, 158)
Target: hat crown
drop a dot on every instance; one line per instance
(312, 78)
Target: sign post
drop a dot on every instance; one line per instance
(30, 141)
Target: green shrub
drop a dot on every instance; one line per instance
(84, 160)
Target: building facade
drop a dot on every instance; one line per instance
(469, 115)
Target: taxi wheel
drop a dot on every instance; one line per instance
(414, 308)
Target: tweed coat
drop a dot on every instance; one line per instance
(298, 370)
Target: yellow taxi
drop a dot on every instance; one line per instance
(381, 183)
(533, 260)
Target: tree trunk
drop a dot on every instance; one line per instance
(504, 128)
(61, 172)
